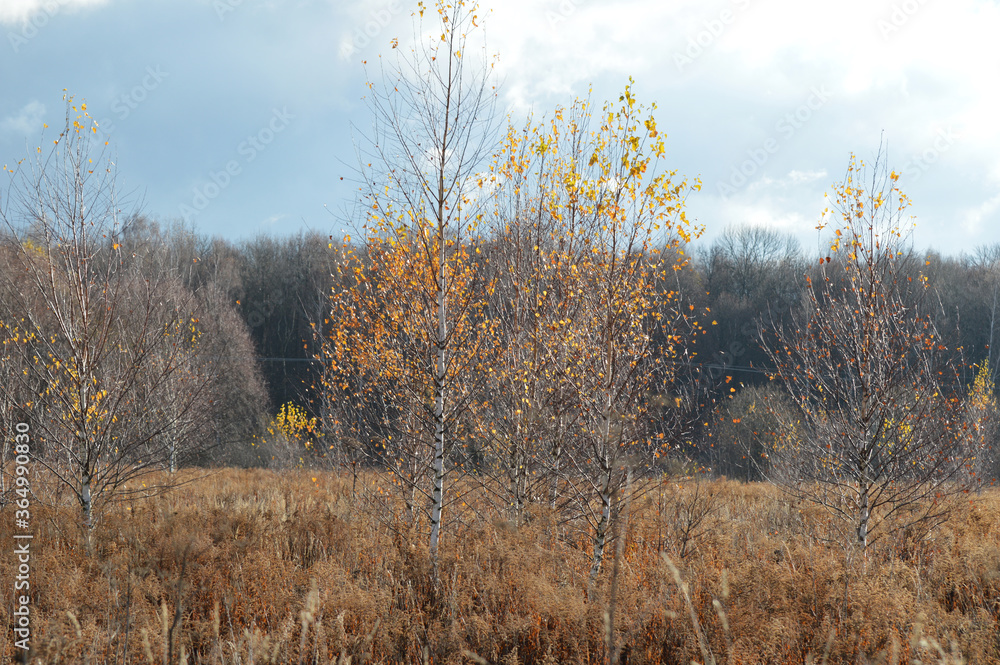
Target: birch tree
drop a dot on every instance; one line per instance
(406, 326)
(595, 228)
(529, 414)
(183, 376)
(635, 212)
(876, 387)
(85, 323)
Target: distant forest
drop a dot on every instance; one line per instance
(264, 295)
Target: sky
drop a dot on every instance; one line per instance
(763, 100)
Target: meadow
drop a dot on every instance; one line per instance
(255, 566)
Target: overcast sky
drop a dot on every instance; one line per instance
(764, 100)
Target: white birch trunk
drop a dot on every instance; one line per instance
(864, 491)
(437, 497)
(601, 536)
(864, 513)
(86, 507)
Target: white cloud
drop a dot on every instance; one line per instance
(794, 178)
(27, 121)
(16, 12)
(271, 222)
(799, 177)
(973, 218)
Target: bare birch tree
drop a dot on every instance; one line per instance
(85, 323)
(876, 387)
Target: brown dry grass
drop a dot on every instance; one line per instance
(270, 567)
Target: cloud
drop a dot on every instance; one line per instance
(16, 12)
(793, 179)
(799, 177)
(27, 121)
(726, 74)
(272, 220)
(974, 217)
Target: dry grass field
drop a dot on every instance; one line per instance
(265, 567)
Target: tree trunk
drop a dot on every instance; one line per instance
(868, 460)
(554, 491)
(518, 461)
(410, 498)
(439, 379)
(863, 513)
(86, 508)
(607, 465)
(601, 536)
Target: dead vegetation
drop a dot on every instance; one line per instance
(264, 567)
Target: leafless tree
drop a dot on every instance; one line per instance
(754, 254)
(986, 260)
(876, 388)
(100, 349)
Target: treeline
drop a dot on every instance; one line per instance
(746, 280)
(755, 276)
(260, 297)
(276, 286)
